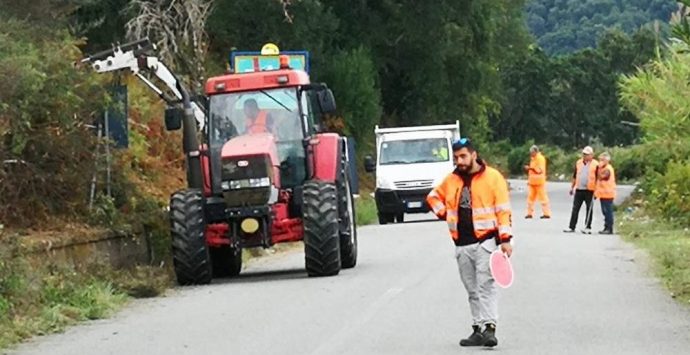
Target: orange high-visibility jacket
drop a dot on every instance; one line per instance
(592, 181)
(490, 204)
(259, 125)
(537, 170)
(606, 183)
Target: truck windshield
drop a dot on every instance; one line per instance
(413, 151)
(273, 111)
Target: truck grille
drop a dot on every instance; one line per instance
(414, 184)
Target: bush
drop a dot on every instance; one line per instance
(46, 147)
(670, 193)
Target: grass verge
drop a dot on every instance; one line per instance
(668, 246)
(365, 210)
(39, 297)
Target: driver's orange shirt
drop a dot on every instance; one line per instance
(258, 125)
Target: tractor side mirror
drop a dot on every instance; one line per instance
(326, 101)
(173, 118)
(369, 164)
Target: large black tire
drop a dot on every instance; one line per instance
(321, 229)
(226, 261)
(191, 258)
(346, 215)
(385, 218)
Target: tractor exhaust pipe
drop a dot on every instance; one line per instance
(190, 142)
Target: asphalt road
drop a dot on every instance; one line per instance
(573, 294)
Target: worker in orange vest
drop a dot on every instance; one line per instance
(536, 182)
(256, 119)
(474, 202)
(582, 186)
(606, 191)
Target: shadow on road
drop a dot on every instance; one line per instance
(413, 221)
(263, 276)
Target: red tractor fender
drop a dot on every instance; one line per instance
(326, 152)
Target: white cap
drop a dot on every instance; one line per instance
(588, 150)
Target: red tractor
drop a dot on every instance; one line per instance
(264, 173)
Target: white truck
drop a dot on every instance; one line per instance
(410, 162)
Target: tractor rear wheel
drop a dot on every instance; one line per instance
(191, 258)
(321, 229)
(348, 224)
(226, 261)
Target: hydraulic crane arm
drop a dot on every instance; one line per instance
(132, 56)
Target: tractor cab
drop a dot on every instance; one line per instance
(282, 115)
(261, 106)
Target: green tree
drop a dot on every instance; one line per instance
(353, 78)
(563, 27)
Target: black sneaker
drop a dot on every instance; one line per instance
(490, 335)
(606, 231)
(545, 217)
(529, 216)
(476, 339)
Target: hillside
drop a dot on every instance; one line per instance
(564, 26)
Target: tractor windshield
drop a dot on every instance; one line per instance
(273, 111)
(413, 151)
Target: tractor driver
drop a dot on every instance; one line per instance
(257, 120)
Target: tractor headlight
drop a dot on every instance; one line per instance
(246, 183)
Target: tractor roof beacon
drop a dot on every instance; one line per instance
(264, 173)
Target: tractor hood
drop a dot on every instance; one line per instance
(252, 156)
(251, 145)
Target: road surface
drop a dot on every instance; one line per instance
(573, 294)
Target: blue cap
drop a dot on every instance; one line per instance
(462, 143)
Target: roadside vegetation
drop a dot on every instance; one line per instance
(667, 244)
(660, 219)
(41, 296)
(365, 208)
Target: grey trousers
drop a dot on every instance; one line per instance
(473, 264)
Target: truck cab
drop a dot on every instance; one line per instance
(410, 161)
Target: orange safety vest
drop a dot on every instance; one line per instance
(606, 188)
(537, 170)
(592, 181)
(258, 125)
(490, 204)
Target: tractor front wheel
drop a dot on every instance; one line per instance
(191, 258)
(321, 229)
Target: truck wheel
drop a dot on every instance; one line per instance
(348, 224)
(191, 258)
(321, 229)
(226, 261)
(384, 218)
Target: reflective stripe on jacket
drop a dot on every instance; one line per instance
(606, 185)
(592, 181)
(491, 211)
(537, 170)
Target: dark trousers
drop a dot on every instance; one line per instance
(586, 197)
(607, 209)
